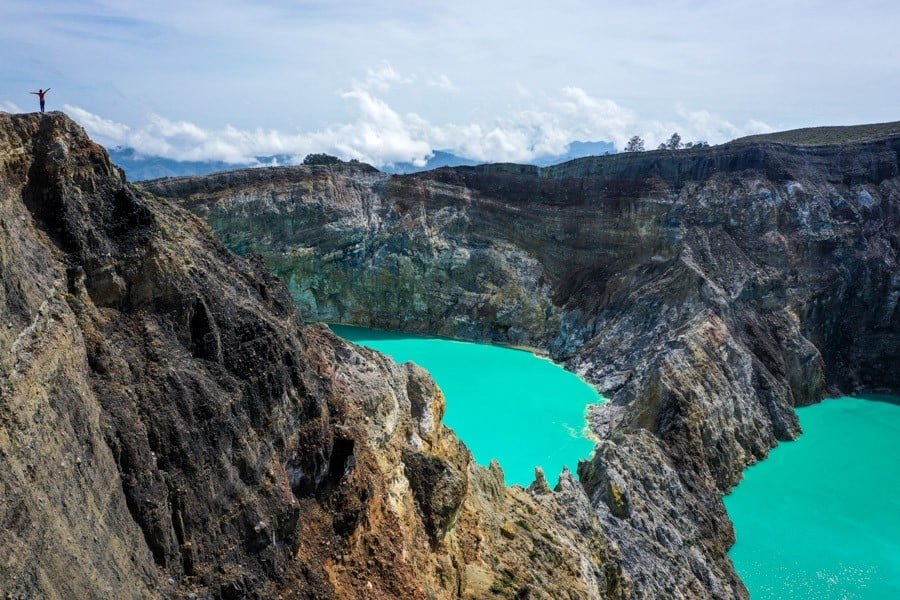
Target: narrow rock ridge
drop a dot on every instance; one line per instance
(707, 292)
(170, 429)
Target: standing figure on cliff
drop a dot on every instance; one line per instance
(40, 94)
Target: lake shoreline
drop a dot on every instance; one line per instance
(517, 407)
(815, 538)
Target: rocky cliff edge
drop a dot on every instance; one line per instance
(169, 428)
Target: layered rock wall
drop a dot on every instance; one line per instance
(707, 292)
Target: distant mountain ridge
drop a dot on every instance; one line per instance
(139, 167)
(446, 158)
(440, 158)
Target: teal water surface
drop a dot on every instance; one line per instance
(505, 404)
(820, 518)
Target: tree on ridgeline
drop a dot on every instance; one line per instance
(674, 142)
(635, 144)
(321, 159)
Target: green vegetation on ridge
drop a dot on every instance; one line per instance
(826, 136)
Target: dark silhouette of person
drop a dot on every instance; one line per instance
(40, 94)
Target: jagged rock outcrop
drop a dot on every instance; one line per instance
(707, 292)
(169, 428)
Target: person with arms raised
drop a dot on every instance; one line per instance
(40, 94)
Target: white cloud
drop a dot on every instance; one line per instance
(381, 135)
(10, 107)
(382, 78)
(545, 128)
(178, 129)
(696, 125)
(757, 126)
(98, 126)
(443, 82)
(706, 126)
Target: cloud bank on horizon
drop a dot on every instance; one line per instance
(390, 81)
(379, 135)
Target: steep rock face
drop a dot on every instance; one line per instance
(707, 292)
(168, 428)
(349, 256)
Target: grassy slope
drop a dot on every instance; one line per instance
(822, 136)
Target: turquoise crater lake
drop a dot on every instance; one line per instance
(505, 404)
(820, 518)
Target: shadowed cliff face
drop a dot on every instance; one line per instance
(169, 428)
(707, 292)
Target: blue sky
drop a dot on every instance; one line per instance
(388, 81)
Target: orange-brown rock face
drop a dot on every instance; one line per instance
(168, 428)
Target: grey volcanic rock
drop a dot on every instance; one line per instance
(707, 292)
(169, 428)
